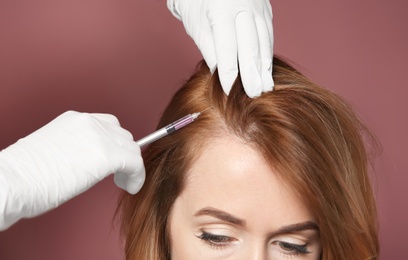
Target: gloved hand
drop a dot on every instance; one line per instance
(63, 159)
(229, 30)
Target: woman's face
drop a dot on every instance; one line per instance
(234, 207)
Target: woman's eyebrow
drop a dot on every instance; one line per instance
(307, 225)
(222, 215)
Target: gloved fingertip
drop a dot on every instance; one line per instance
(273, 85)
(212, 64)
(129, 184)
(267, 82)
(253, 93)
(252, 84)
(134, 187)
(213, 68)
(266, 76)
(227, 80)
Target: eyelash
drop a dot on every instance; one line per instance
(218, 241)
(293, 249)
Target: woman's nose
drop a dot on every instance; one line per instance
(256, 251)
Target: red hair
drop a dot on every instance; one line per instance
(309, 135)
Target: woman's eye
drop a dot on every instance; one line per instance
(216, 240)
(293, 249)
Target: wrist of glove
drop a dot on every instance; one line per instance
(63, 159)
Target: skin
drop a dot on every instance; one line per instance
(234, 195)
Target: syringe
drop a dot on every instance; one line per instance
(162, 132)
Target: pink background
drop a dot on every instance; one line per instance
(127, 57)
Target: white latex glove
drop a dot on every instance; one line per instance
(63, 159)
(227, 31)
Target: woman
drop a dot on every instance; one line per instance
(282, 175)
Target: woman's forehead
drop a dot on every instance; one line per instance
(231, 175)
